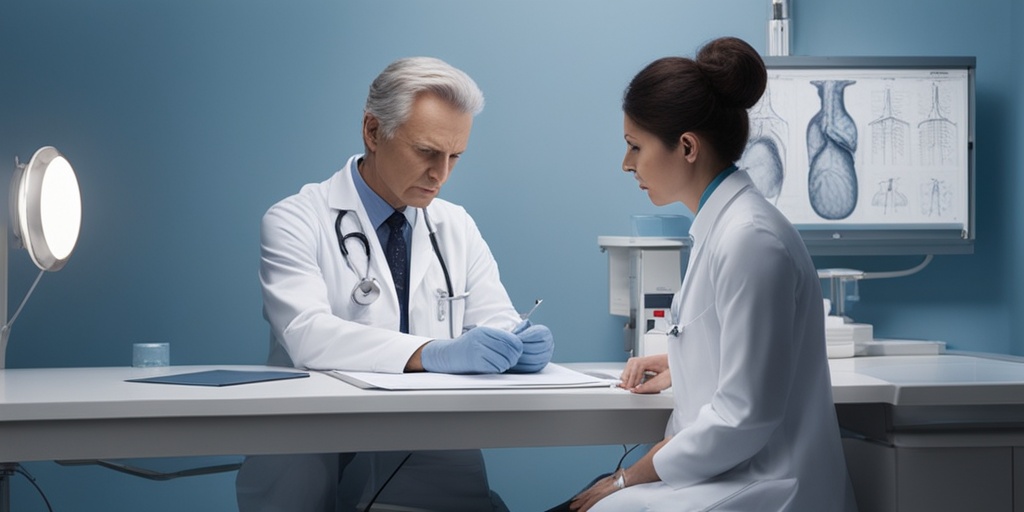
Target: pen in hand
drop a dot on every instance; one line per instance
(526, 316)
(522, 316)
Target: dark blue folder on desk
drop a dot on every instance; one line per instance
(221, 377)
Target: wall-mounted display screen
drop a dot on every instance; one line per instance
(868, 155)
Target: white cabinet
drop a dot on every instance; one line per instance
(939, 433)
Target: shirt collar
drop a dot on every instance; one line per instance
(705, 219)
(377, 209)
(714, 184)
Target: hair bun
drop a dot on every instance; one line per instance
(735, 71)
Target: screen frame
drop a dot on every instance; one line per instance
(827, 239)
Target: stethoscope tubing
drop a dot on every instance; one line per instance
(437, 251)
(366, 282)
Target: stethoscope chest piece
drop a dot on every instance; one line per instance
(366, 291)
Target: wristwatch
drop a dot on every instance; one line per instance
(620, 481)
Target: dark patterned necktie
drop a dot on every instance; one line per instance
(398, 259)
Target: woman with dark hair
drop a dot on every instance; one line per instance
(754, 426)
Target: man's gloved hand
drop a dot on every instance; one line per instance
(538, 345)
(478, 350)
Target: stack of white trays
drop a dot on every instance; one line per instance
(842, 338)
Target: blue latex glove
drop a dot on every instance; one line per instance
(538, 345)
(478, 350)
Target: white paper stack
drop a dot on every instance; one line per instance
(841, 338)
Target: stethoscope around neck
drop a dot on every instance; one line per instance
(368, 289)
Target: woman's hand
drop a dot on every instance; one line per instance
(647, 374)
(588, 498)
(641, 472)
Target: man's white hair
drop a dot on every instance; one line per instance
(394, 90)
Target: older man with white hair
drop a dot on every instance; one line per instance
(369, 271)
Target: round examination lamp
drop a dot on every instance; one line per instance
(46, 208)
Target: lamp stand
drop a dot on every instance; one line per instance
(32, 179)
(3, 276)
(6, 468)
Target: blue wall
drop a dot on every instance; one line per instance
(187, 119)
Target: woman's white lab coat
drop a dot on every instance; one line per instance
(754, 425)
(314, 323)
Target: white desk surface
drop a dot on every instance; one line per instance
(92, 413)
(926, 401)
(929, 380)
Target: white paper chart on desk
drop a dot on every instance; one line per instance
(552, 376)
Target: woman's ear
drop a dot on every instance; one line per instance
(689, 144)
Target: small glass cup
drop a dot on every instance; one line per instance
(151, 355)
